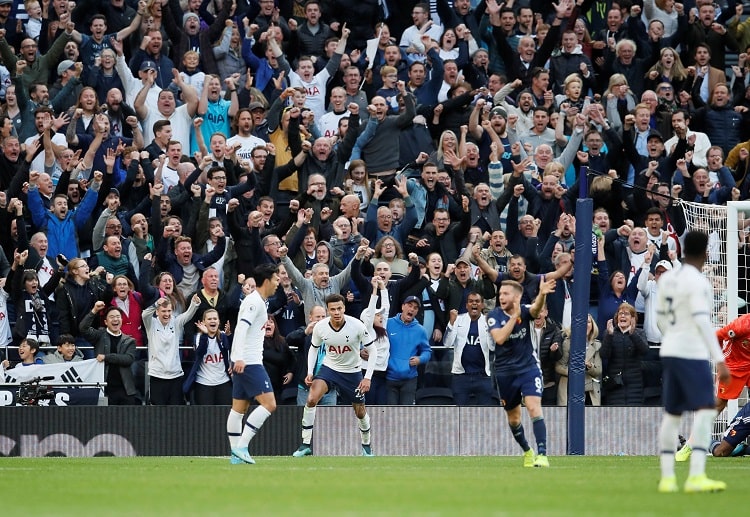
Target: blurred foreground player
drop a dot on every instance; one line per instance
(688, 342)
(249, 378)
(342, 336)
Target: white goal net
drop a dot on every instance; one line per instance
(726, 268)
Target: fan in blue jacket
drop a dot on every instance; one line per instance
(410, 347)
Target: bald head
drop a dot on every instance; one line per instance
(349, 206)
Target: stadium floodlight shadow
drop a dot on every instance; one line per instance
(435, 397)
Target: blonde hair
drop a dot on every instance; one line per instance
(572, 78)
(678, 70)
(616, 80)
(600, 184)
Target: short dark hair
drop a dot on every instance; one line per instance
(33, 344)
(654, 210)
(111, 308)
(42, 109)
(695, 244)
(335, 298)
(65, 338)
(264, 272)
(702, 45)
(213, 170)
(159, 125)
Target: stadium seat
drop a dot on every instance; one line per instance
(434, 397)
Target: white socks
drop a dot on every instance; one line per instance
(670, 428)
(253, 425)
(364, 429)
(308, 421)
(702, 425)
(234, 428)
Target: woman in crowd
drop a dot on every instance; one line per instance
(89, 106)
(76, 297)
(278, 359)
(208, 380)
(130, 303)
(357, 182)
(11, 109)
(614, 289)
(163, 286)
(619, 99)
(376, 320)
(623, 349)
(389, 250)
(668, 69)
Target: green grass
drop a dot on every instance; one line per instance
(386, 486)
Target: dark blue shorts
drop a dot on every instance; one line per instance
(688, 385)
(345, 383)
(514, 387)
(252, 382)
(739, 429)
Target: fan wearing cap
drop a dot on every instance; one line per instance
(648, 287)
(642, 143)
(131, 84)
(67, 72)
(498, 118)
(7, 22)
(462, 283)
(410, 347)
(191, 37)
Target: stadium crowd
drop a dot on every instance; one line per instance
(155, 152)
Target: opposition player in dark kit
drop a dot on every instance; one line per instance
(516, 365)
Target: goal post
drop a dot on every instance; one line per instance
(727, 256)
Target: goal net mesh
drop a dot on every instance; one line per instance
(727, 274)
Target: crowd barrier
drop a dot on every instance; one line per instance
(397, 431)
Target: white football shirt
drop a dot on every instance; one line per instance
(247, 344)
(683, 310)
(341, 346)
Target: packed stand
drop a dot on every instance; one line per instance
(409, 156)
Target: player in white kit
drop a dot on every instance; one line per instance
(249, 377)
(341, 335)
(688, 342)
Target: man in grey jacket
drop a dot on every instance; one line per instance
(321, 284)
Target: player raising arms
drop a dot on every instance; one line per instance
(341, 335)
(688, 342)
(249, 377)
(516, 367)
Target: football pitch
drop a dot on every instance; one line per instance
(167, 486)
